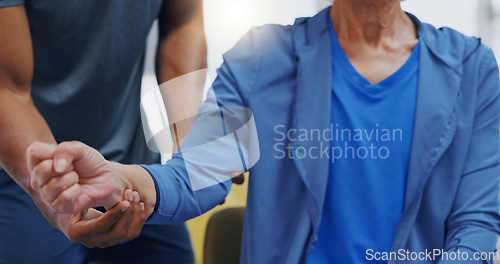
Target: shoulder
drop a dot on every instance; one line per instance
(453, 47)
(280, 41)
(266, 39)
(260, 49)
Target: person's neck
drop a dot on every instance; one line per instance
(370, 21)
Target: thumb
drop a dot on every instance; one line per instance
(75, 155)
(101, 223)
(66, 153)
(92, 222)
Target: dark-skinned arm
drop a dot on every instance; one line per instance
(182, 51)
(22, 124)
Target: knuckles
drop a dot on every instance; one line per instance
(39, 173)
(32, 149)
(63, 204)
(65, 146)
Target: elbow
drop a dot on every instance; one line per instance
(181, 52)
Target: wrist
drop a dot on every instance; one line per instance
(135, 178)
(47, 211)
(119, 183)
(147, 190)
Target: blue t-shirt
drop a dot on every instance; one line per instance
(372, 132)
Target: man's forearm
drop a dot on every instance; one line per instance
(20, 125)
(182, 51)
(182, 45)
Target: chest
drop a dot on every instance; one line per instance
(377, 63)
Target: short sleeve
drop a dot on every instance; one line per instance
(7, 3)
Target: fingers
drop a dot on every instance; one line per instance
(38, 152)
(119, 224)
(61, 192)
(58, 184)
(132, 228)
(127, 228)
(113, 214)
(70, 201)
(71, 176)
(40, 164)
(54, 188)
(41, 174)
(66, 153)
(86, 227)
(109, 219)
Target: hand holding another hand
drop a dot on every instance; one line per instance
(119, 224)
(72, 177)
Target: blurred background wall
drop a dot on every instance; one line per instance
(226, 21)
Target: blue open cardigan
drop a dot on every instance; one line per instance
(283, 74)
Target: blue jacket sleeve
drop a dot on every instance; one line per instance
(473, 225)
(176, 201)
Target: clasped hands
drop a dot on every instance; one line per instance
(72, 178)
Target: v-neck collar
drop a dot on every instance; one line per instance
(342, 63)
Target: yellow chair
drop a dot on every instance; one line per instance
(197, 226)
(223, 236)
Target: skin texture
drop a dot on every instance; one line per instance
(377, 36)
(21, 125)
